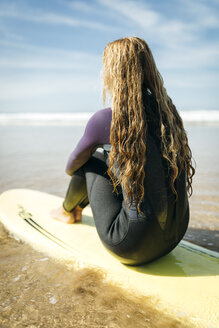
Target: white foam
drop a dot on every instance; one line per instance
(80, 119)
(201, 116)
(39, 119)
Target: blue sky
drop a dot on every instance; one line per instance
(51, 51)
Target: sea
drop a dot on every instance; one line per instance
(35, 147)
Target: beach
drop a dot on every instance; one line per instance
(37, 291)
(35, 157)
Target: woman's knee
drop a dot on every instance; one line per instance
(96, 164)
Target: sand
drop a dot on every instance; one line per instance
(37, 291)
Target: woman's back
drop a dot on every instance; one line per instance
(149, 161)
(170, 210)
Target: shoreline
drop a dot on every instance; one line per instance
(189, 117)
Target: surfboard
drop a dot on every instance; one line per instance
(186, 281)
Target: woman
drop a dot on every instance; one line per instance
(137, 187)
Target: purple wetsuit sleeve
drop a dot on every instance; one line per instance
(97, 133)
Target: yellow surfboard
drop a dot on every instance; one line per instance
(186, 281)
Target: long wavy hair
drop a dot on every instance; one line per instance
(130, 75)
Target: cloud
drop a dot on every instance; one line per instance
(202, 14)
(196, 81)
(33, 86)
(37, 72)
(139, 13)
(158, 28)
(10, 35)
(30, 57)
(178, 42)
(81, 6)
(96, 9)
(75, 54)
(193, 58)
(41, 63)
(12, 11)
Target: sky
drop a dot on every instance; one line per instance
(51, 51)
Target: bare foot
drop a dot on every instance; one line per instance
(77, 213)
(62, 215)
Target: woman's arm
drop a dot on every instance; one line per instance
(96, 133)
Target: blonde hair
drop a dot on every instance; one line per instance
(129, 75)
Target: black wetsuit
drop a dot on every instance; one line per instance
(132, 238)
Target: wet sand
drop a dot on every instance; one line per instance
(37, 291)
(203, 227)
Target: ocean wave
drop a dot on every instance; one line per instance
(201, 116)
(189, 117)
(39, 119)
